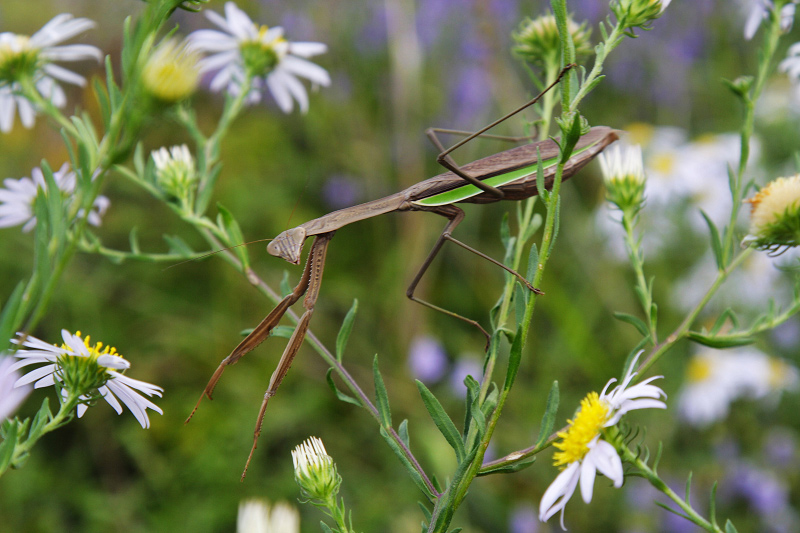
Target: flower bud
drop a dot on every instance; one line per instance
(171, 73)
(315, 471)
(638, 13)
(175, 171)
(623, 173)
(538, 41)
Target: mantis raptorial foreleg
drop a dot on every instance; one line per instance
(314, 266)
(309, 283)
(455, 215)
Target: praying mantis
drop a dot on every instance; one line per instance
(507, 175)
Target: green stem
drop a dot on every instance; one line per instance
(64, 415)
(681, 331)
(652, 477)
(635, 255)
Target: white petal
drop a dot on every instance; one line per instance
(113, 361)
(239, 23)
(277, 86)
(67, 76)
(72, 52)
(588, 473)
(35, 375)
(307, 49)
(559, 492)
(607, 462)
(306, 69)
(109, 397)
(297, 90)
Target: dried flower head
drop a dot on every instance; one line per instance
(775, 216)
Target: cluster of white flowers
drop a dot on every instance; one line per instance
(18, 196)
(715, 379)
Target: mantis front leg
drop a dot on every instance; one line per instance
(309, 285)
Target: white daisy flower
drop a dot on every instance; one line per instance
(78, 366)
(32, 58)
(583, 452)
(245, 50)
(760, 10)
(255, 516)
(715, 379)
(18, 196)
(11, 397)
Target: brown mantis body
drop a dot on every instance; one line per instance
(470, 183)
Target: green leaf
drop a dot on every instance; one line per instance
(284, 286)
(729, 527)
(509, 469)
(43, 416)
(549, 418)
(339, 394)
(381, 396)
(284, 332)
(505, 232)
(540, 188)
(231, 228)
(716, 242)
(325, 527)
(458, 475)
(8, 445)
(402, 432)
(345, 330)
(720, 341)
(514, 359)
(473, 391)
(520, 303)
(8, 317)
(415, 476)
(533, 263)
(442, 420)
(176, 245)
(636, 322)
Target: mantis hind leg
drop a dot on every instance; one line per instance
(455, 215)
(449, 163)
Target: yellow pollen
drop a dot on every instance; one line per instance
(663, 163)
(588, 423)
(94, 351)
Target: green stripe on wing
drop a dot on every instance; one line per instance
(469, 190)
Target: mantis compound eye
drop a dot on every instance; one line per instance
(288, 245)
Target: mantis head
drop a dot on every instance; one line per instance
(288, 245)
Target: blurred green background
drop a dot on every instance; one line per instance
(397, 67)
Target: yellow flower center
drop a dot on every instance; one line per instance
(663, 163)
(94, 351)
(171, 73)
(699, 369)
(588, 423)
(17, 58)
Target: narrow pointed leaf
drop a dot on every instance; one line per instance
(8, 445)
(402, 431)
(509, 469)
(636, 322)
(339, 394)
(381, 396)
(514, 359)
(549, 418)
(729, 527)
(716, 242)
(442, 420)
(345, 330)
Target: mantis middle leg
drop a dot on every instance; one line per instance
(455, 215)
